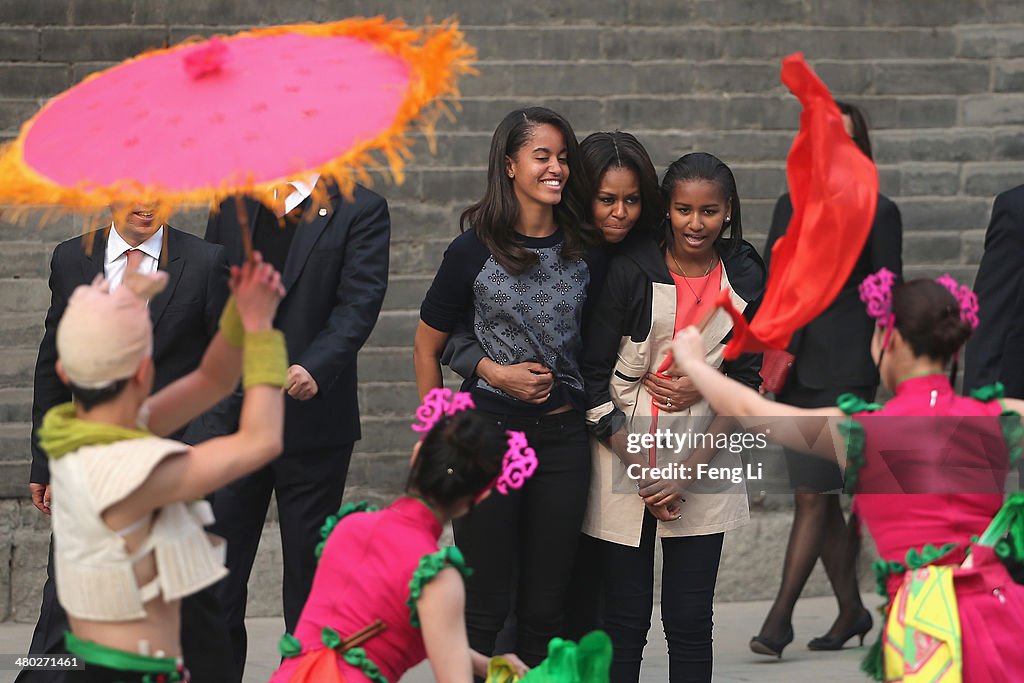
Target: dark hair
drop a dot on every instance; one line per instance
(860, 126)
(706, 167)
(602, 151)
(459, 457)
(928, 317)
(90, 398)
(494, 217)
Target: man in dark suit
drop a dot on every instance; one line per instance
(995, 352)
(334, 261)
(185, 317)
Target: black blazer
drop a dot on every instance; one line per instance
(834, 349)
(995, 351)
(335, 277)
(185, 317)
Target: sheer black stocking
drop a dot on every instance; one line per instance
(819, 530)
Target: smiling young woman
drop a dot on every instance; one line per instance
(522, 272)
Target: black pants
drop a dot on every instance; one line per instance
(308, 486)
(525, 542)
(687, 595)
(204, 636)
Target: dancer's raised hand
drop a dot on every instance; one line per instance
(258, 290)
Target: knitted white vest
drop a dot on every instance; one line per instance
(94, 571)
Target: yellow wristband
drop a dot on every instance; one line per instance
(231, 323)
(264, 359)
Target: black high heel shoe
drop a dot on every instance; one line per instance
(768, 646)
(860, 628)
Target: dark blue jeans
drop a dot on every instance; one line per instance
(687, 593)
(524, 543)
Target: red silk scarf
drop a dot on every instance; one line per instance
(834, 190)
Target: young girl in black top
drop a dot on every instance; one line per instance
(521, 274)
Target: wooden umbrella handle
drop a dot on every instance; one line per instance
(243, 225)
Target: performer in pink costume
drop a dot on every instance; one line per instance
(927, 488)
(385, 597)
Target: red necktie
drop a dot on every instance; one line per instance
(134, 260)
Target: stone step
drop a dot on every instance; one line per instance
(14, 476)
(15, 405)
(387, 434)
(20, 260)
(14, 442)
(16, 367)
(405, 292)
(21, 329)
(24, 296)
(39, 228)
(385, 364)
(394, 328)
(377, 398)
(935, 248)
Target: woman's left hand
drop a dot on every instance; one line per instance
(671, 394)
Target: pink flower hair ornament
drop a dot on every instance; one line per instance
(967, 299)
(520, 461)
(876, 293)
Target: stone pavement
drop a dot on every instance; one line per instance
(734, 624)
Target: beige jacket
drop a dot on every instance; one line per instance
(614, 510)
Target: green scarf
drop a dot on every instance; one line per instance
(62, 432)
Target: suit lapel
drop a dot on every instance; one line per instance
(306, 234)
(172, 262)
(94, 259)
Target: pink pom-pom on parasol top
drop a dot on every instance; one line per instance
(206, 59)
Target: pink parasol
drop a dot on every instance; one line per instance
(201, 121)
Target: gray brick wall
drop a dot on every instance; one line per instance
(940, 80)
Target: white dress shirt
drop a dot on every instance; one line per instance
(300, 190)
(116, 259)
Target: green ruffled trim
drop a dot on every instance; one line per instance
(851, 403)
(1005, 534)
(853, 435)
(1009, 420)
(428, 568)
(356, 656)
(289, 646)
(989, 392)
(1013, 433)
(872, 663)
(332, 521)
